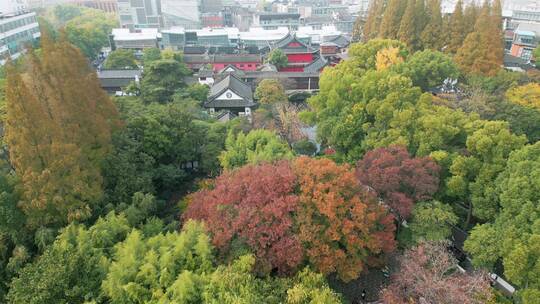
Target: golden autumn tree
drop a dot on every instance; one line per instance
(388, 57)
(482, 50)
(527, 95)
(58, 129)
(341, 224)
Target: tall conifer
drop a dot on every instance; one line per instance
(390, 20)
(498, 36)
(470, 14)
(432, 34)
(421, 18)
(407, 28)
(479, 53)
(373, 21)
(457, 29)
(58, 129)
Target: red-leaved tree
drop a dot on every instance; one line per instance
(429, 274)
(253, 206)
(340, 224)
(399, 179)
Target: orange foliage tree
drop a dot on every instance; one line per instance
(340, 223)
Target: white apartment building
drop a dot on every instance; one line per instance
(18, 29)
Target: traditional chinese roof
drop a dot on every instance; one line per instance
(231, 69)
(117, 78)
(316, 65)
(235, 85)
(290, 44)
(339, 40)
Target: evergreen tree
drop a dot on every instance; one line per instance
(497, 35)
(390, 20)
(407, 27)
(481, 52)
(432, 34)
(457, 29)
(373, 21)
(421, 19)
(58, 129)
(470, 14)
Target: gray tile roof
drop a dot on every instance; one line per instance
(119, 73)
(282, 44)
(316, 65)
(117, 78)
(235, 71)
(236, 85)
(340, 41)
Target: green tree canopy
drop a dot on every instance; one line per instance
(154, 152)
(150, 55)
(428, 69)
(121, 59)
(255, 147)
(90, 31)
(514, 235)
(432, 221)
(161, 79)
(70, 270)
(278, 58)
(270, 91)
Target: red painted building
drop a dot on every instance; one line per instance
(244, 62)
(298, 53)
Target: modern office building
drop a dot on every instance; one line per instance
(138, 40)
(136, 14)
(271, 21)
(181, 13)
(109, 6)
(17, 31)
(12, 7)
(526, 37)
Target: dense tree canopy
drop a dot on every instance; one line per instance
(514, 236)
(278, 58)
(398, 179)
(253, 206)
(160, 202)
(276, 211)
(341, 224)
(527, 95)
(431, 221)
(428, 69)
(57, 136)
(71, 269)
(270, 91)
(151, 54)
(158, 150)
(161, 79)
(121, 59)
(89, 30)
(255, 147)
(482, 51)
